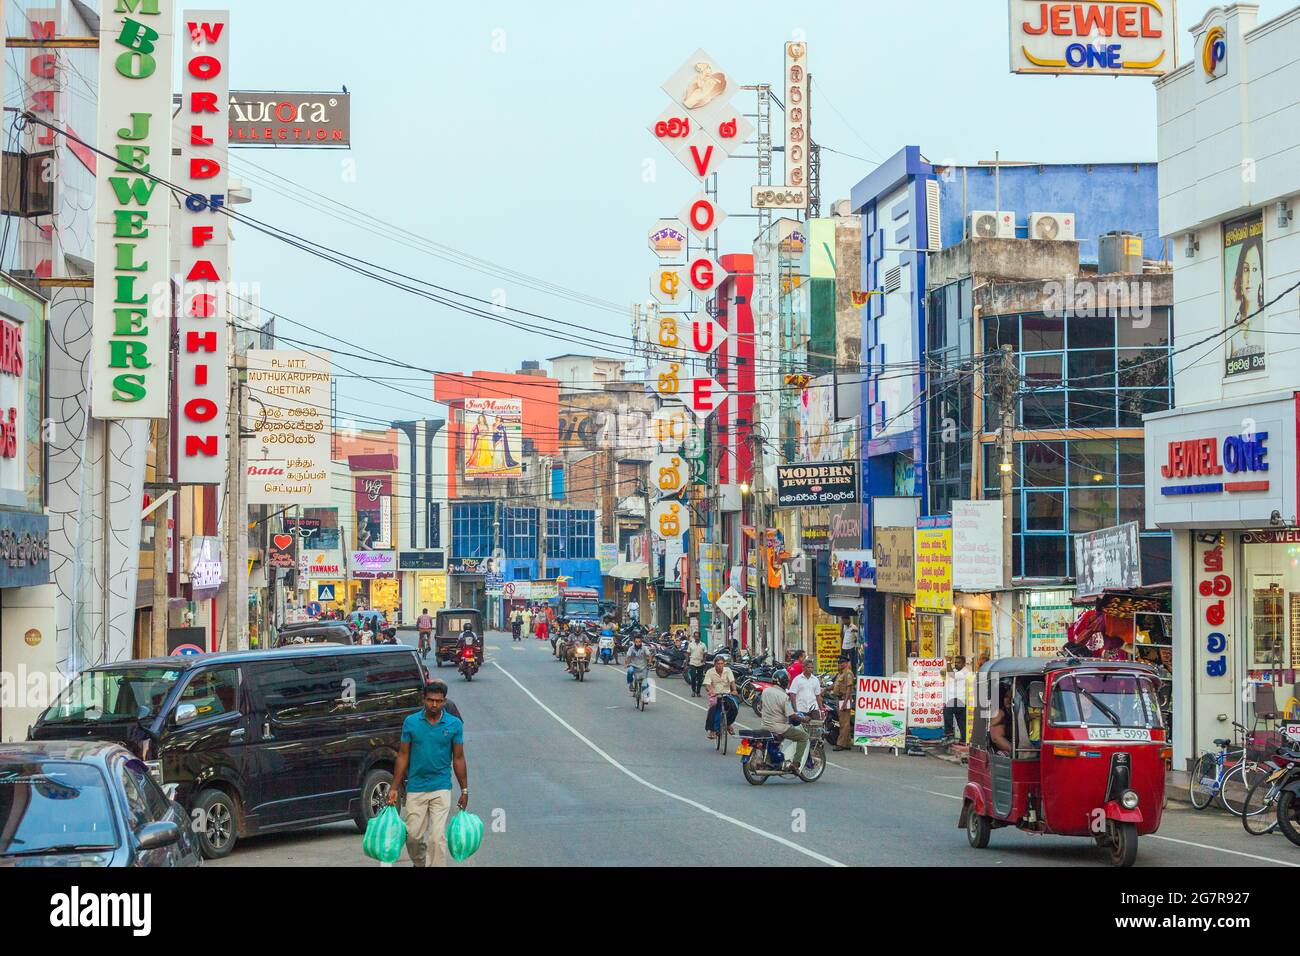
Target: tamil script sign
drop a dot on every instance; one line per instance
(1109, 558)
(829, 483)
(288, 459)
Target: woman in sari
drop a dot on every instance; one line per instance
(480, 450)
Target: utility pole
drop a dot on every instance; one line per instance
(1007, 388)
(236, 546)
(649, 535)
(760, 541)
(162, 475)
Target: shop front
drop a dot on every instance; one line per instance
(374, 581)
(1224, 479)
(424, 581)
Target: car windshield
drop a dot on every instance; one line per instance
(129, 693)
(582, 609)
(53, 806)
(1102, 699)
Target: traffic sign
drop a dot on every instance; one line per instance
(324, 593)
(731, 603)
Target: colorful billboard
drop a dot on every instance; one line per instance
(290, 119)
(493, 429)
(1243, 294)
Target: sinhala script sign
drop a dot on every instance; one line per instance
(1108, 38)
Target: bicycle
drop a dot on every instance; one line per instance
(724, 725)
(1260, 814)
(1213, 771)
(638, 687)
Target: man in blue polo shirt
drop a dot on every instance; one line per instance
(433, 744)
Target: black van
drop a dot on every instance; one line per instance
(259, 741)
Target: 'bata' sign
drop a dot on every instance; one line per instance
(290, 119)
(1108, 38)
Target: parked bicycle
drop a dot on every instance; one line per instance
(1226, 773)
(1260, 812)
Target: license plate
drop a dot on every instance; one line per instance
(1119, 733)
(744, 748)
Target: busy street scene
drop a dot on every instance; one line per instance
(859, 435)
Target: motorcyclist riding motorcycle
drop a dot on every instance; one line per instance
(780, 717)
(468, 654)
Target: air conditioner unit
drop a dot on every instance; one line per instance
(1051, 225)
(992, 225)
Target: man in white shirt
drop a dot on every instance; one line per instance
(806, 692)
(849, 641)
(954, 699)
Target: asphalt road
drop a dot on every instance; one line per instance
(569, 774)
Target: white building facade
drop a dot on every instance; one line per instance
(1221, 466)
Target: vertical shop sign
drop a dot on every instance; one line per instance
(1215, 600)
(131, 316)
(202, 250)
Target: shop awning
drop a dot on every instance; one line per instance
(629, 571)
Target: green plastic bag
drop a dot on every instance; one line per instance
(385, 836)
(465, 835)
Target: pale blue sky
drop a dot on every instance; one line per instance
(531, 156)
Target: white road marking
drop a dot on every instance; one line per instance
(1156, 836)
(1206, 846)
(789, 844)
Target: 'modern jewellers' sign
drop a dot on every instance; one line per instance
(290, 119)
(824, 483)
(131, 315)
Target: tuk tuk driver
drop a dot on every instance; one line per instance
(1000, 726)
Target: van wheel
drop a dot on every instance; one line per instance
(374, 796)
(219, 818)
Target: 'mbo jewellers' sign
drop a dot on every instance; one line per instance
(131, 233)
(1107, 38)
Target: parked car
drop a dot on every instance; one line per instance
(322, 633)
(259, 741)
(87, 803)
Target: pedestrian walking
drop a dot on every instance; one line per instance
(696, 652)
(433, 745)
(527, 615)
(849, 641)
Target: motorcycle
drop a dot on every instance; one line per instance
(579, 661)
(763, 755)
(468, 665)
(605, 650)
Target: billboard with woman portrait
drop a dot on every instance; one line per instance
(1243, 294)
(493, 435)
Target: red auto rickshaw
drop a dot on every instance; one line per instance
(1086, 755)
